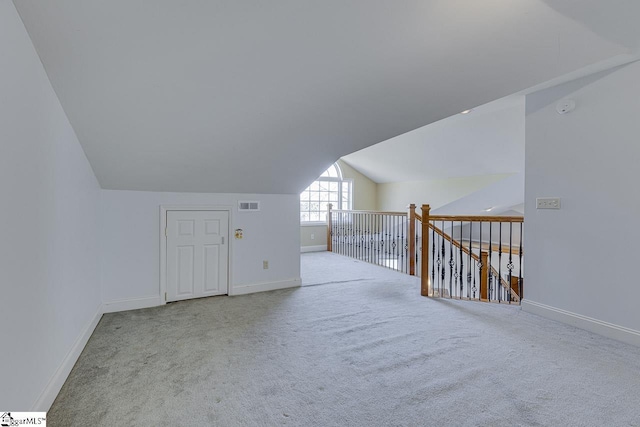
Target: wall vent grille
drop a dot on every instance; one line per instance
(247, 205)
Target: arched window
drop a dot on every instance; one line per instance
(328, 188)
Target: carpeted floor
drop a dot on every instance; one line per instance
(358, 348)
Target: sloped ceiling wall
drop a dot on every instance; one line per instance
(239, 96)
(487, 141)
(462, 164)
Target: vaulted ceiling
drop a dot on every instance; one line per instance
(260, 97)
(489, 140)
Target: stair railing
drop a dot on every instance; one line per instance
(475, 258)
(376, 237)
(460, 257)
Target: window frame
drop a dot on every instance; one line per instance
(329, 179)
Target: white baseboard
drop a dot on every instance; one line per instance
(317, 248)
(267, 286)
(47, 397)
(131, 304)
(606, 329)
(50, 392)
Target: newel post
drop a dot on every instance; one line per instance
(411, 238)
(329, 239)
(484, 275)
(424, 271)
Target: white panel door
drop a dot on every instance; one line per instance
(197, 254)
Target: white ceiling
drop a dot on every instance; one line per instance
(239, 96)
(487, 141)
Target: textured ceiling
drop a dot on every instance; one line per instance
(260, 97)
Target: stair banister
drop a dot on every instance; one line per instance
(424, 272)
(379, 238)
(411, 242)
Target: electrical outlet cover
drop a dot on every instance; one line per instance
(548, 203)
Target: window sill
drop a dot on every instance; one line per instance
(313, 224)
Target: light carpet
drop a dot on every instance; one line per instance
(362, 349)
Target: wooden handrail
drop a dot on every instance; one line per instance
(454, 242)
(371, 212)
(446, 218)
(476, 218)
(495, 247)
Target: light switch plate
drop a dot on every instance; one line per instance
(548, 203)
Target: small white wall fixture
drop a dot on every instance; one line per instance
(163, 242)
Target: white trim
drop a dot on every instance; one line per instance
(266, 286)
(337, 206)
(316, 248)
(313, 224)
(329, 178)
(351, 195)
(600, 327)
(45, 400)
(163, 241)
(132, 304)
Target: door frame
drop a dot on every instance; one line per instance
(163, 241)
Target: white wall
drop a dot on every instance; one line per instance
(503, 196)
(581, 261)
(365, 191)
(49, 256)
(313, 238)
(130, 237)
(396, 196)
